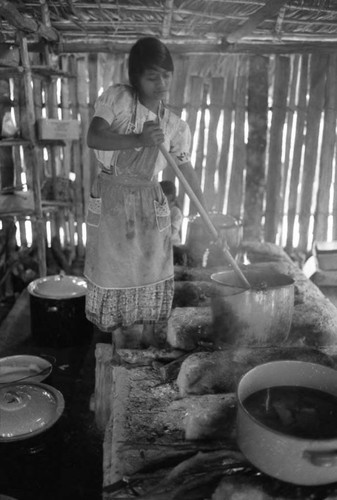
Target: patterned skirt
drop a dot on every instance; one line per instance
(109, 309)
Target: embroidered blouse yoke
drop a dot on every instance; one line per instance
(120, 107)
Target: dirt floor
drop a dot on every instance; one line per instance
(65, 462)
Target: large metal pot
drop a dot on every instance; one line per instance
(198, 238)
(258, 316)
(285, 457)
(57, 307)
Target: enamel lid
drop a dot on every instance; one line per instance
(60, 286)
(28, 409)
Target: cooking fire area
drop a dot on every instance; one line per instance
(171, 422)
(177, 421)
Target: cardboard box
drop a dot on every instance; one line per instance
(66, 130)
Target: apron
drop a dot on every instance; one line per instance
(129, 243)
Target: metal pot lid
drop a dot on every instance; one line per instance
(14, 369)
(60, 286)
(28, 409)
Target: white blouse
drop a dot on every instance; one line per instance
(120, 107)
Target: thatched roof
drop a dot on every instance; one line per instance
(186, 25)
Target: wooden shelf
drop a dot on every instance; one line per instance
(46, 72)
(4, 143)
(17, 203)
(50, 142)
(12, 141)
(47, 204)
(39, 71)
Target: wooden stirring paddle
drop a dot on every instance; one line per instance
(205, 217)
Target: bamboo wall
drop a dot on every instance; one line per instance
(263, 147)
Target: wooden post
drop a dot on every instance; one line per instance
(76, 161)
(275, 168)
(256, 146)
(40, 230)
(236, 189)
(298, 145)
(227, 130)
(293, 88)
(315, 108)
(82, 95)
(327, 152)
(216, 104)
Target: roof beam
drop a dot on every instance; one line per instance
(268, 10)
(24, 23)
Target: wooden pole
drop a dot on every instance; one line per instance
(275, 168)
(243, 280)
(315, 108)
(298, 146)
(327, 153)
(40, 230)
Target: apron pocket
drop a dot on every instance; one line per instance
(163, 214)
(94, 211)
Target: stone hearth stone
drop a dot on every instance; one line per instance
(220, 371)
(192, 293)
(188, 326)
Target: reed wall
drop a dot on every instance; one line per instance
(264, 143)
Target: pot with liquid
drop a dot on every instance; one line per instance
(287, 421)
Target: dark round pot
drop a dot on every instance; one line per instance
(57, 307)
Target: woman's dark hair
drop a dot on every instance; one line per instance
(147, 53)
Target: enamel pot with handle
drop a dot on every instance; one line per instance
(297, 460)
(30, 414)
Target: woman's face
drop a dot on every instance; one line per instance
(154, 84)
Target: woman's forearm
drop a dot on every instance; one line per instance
(103, 138)
(106, 140)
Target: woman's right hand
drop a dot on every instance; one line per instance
(152, 134)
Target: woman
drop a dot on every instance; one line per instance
(129, 264)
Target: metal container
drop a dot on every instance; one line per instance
(57, 307)
(296, 460)
(198, 239)
(258, 316)
(27, 410)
